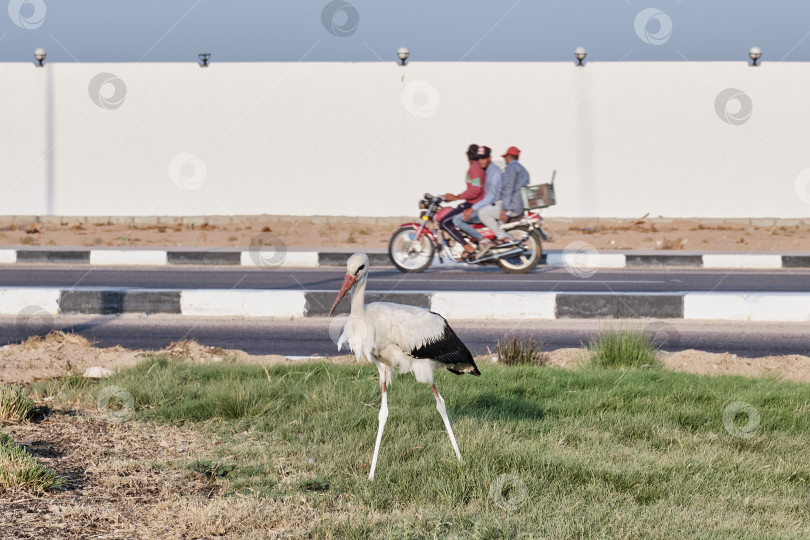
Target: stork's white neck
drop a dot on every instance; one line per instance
(359, 297)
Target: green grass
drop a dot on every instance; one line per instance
(622, 348)
(589, 453)
(20, 469)
(14, 404)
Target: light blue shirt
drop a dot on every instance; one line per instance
(493, 187)
(515, 177)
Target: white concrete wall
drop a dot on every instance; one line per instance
(357, 139)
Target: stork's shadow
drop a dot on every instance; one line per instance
(498, 407)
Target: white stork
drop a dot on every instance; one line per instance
(396, 336)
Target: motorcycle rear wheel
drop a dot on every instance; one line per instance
(409, 254)
(530, 258)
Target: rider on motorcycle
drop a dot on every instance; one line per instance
(475, 181)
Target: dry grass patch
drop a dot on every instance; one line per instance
(136, 480)
(114, 474)
(514, 351)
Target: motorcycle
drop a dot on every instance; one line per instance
(413, 245)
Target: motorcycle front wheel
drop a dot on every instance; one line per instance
(529, 259)
(409, 254)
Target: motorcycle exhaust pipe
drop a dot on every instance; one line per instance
(510, 244)
(497, 256)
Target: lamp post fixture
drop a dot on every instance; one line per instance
(755, 53)
(403, 53)
(580, 54)
(204, 57)
(40, 55)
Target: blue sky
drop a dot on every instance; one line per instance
(434, 30)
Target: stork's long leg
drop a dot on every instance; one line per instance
(443, 412)
(383, 417)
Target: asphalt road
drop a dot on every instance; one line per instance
(306, 337)
(388, 279)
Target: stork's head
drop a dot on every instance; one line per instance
(356, 269)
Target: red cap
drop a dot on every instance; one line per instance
(513, 151)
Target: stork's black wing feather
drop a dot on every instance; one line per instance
(449, 350)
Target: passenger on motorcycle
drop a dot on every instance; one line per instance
(515, 176)
(475, 181)
(473, 214)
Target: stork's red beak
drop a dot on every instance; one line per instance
(348, 283)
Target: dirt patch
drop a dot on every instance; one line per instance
(566, 358)
(59, 354)
(292, 232)
(348, 233)
(132, 480)
(675, 235)
(792, 367)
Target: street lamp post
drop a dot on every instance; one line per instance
(580, 53)
(403, 53)
(755, 53)
(40, 55)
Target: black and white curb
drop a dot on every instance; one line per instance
(775, 307)
(149, 257)
(316, 259)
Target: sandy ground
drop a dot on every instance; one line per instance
(61, 354)
(792, 367)
(374, 233)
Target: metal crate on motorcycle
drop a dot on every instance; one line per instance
(538, 196)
